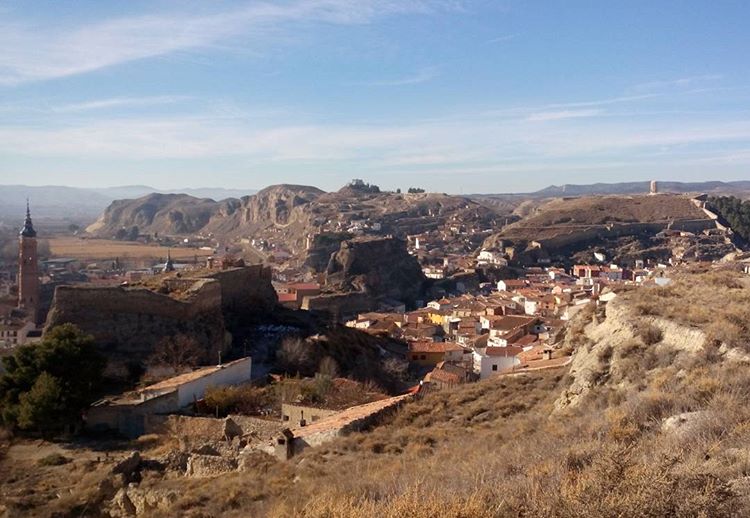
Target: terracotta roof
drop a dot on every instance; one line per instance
(443, 376)
(305, 286)
(433, 347)
(348, 416)
(509, 322)
(503, 351)
(514, 282)
(176, 381)
(525, 341)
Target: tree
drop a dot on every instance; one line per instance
(415, 190)
(61, 375)
(178, 352)
(735, 211)
(42, 407)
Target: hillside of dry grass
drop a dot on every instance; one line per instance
(651, 419)
(567, 214)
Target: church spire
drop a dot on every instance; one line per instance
(28, 226)
(169, 265)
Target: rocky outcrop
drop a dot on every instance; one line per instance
(170, 214)
(380, 267)
(365, 271)
(619, 336)
(200, 466)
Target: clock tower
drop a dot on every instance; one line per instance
(28, 268)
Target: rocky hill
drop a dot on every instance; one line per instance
(365, 272)
(623, 226)
(293, 216)
(380, 267)
(166, 214)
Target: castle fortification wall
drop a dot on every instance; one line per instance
(128, 322)
(246, 289)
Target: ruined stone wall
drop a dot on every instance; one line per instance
(292, 415)
(131, 420)
(340, 305)
(127, 323)
(246, 291)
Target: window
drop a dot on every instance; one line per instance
(423, 357)
(285, 418)
(494, 367)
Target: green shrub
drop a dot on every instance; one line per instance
(53, 459)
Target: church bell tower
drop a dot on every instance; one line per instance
(28, 268)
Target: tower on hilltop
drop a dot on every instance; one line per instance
(28, 268)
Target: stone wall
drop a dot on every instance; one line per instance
(293, 415)
(246, 292)
(128, 322)
(131, 420)
(340, 306)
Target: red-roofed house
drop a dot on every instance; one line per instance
(429, 354)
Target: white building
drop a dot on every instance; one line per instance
(192, 386)
(432, 272)
(492, 257)
(493, 360)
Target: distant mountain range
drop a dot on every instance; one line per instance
(644, 187)
(83, 205)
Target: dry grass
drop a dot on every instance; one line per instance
(492, 449)
(496, 448)
(718, 302)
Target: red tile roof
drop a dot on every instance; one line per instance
(503, 351)
(433, 347)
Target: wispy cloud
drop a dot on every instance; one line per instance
(681, 83)
(33, 53)
(120, 102)
(467, 142)
(502, 39)
(421, 76)
(563, 114)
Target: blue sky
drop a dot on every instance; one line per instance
(451, 95)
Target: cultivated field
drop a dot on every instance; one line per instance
(74, 247)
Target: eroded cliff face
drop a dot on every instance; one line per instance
(128, 322)
(171, 214)
(618, 349)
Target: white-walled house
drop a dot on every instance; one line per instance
(511, 284)
(192, 386)
(493, 360)
(493, 257)
(136, 413)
